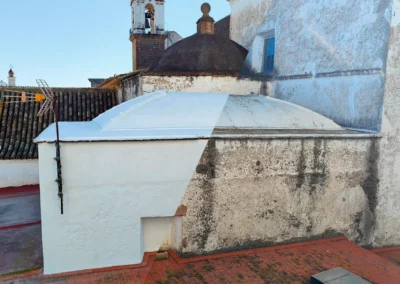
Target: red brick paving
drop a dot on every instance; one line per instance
(391, 253)
(282, 264)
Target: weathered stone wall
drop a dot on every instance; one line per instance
(330, 55)
(211, 84)
(131, 88)
(257, 192)
(388, 208)
(140, 85)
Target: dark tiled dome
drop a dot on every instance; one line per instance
(202, 53)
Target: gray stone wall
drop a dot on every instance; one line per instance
(258, 192)
(131, 88)
(388, 208)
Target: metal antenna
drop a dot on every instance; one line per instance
(50, 104)
(48, 93)
(21, 97)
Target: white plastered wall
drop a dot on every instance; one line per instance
(246, 17)
(104, 206)
(18, 173)
(332, 65)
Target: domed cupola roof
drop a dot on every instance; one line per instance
(203, 52)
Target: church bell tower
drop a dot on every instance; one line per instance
(11, 78)
(147, 33)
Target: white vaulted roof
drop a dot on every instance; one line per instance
(163, 110)
(166, 116)
(257, 111)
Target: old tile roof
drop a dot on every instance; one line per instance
(96, 81)
(202, 53)
(172, 38)
(223, 26)
(20, 125)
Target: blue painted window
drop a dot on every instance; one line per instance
(269, 55)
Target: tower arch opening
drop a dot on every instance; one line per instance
(150, 19)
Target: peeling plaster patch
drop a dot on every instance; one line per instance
(188, 83)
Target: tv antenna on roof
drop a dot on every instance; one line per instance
(50, 104)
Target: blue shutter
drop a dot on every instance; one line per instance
(269, 55)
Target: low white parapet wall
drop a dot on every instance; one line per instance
(14, 173)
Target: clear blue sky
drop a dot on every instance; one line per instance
(67, 42)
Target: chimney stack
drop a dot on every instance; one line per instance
(205, 25)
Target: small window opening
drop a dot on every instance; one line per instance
(269, 55)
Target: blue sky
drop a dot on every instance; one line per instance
(67, 42)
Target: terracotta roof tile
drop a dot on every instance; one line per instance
(20, 125)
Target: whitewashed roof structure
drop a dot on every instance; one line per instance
(168, 116)
(257, 111)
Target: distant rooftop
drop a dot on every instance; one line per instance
(95, 82)
(19, 123)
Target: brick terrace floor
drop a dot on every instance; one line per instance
(392, 254)
(282, 264)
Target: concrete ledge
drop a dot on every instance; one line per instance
(291, 134)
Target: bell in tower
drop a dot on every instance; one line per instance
(147, 32)
(148, 19)
(147, 15)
